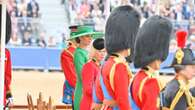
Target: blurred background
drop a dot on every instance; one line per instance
(40, 27)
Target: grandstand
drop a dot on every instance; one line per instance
(41, 27)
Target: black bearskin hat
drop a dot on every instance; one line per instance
(8, 25)
(121, 29)
(98, 43)
(152, 41)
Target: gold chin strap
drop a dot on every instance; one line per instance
(184, 89)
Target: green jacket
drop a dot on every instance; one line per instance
(80, 58)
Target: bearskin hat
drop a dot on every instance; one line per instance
(8, 25)
(121, 29)
(98, 43)
(152, 41)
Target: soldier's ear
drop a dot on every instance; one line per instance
(157, 64)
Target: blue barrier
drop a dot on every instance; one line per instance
(49, 59)
(35, 58)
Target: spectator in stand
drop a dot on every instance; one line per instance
(96, 12)
(15, 8)
(51, 42)
(15, 40)
(96, 15)
(186, 10)
(27, 40)
(24, 25)
(22, 7)
(33, 8)
(41, 40)
(72, 7)
(14, 22)
(10, 4)
(63, 42)
(84, 9)
(178, 10)
(101, 5)
(35, 13)
(145, 10)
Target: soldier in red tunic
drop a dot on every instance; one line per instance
(68, 68)
(121, 29)
(89, 73)
(8, 100)
(98, 95)
(151, 49)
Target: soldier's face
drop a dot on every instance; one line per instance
(99, 55)
(189, 71)
(156, 64)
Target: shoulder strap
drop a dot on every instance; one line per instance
(141, 88)
(68, 52)
(112, 75)
(112, 71)
(180, 92)
(142, 85)
(176, 99)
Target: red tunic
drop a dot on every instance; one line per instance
(68, 65)
(149, 94)
(8, 74)
(121, 82)
(89, 73)
(98, 89)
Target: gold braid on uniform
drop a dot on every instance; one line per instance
(184, 89)
(118, 59)
(151, 74)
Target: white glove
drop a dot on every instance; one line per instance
(9, 101)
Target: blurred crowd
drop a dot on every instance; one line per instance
(24, 8)
(26, 17)
(27, 29)
(180, 12)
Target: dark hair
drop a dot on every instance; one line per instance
(178, 68)
(69, 43)
(77, 40)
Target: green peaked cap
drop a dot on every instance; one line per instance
(80, 31)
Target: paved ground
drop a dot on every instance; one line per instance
(33, 82)
(50, 84)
